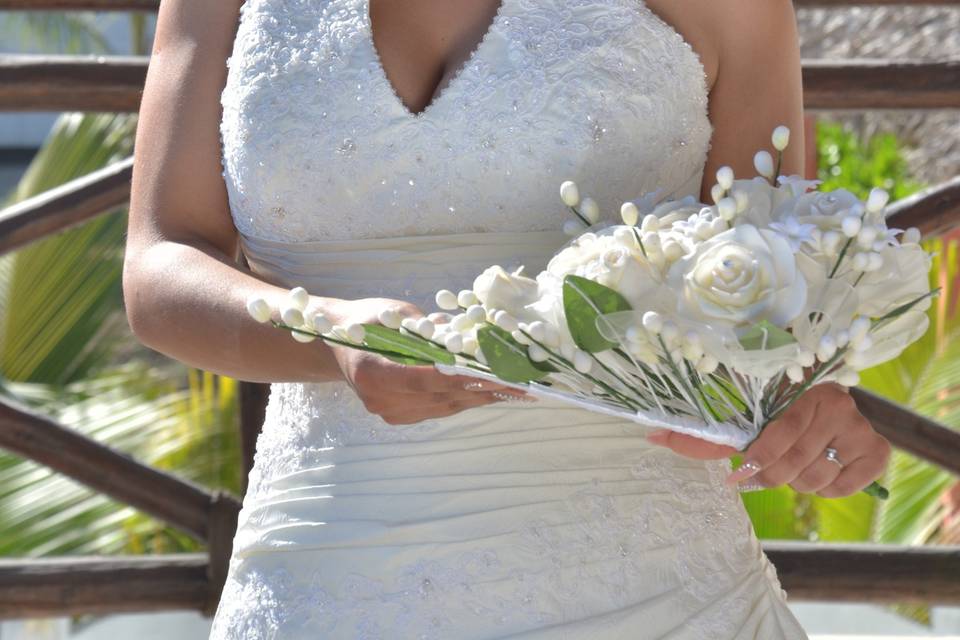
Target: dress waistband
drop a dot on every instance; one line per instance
(403, 266)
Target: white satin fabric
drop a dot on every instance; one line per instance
(512, 520)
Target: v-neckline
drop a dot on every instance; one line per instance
(440, 91)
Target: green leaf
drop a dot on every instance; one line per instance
(506, 357)
(404, 348)
(584, 302)
(764, 330)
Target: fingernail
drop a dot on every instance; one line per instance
(744, 471)
(750, 485)
(658, 435)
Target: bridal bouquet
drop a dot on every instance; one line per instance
(709, 320)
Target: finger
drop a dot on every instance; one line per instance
(802, 456)
(409, 414)
(820, 473)
(853, 477)
(773, 442)
(690, 446)
(874, 453)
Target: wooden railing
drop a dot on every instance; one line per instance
(70, 585)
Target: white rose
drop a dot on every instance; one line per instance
(610, 260)
(498, 289)
(739, 277)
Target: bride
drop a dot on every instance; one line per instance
(375, 152)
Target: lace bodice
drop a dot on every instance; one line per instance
(317, 145)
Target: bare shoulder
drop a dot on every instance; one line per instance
(724, 30)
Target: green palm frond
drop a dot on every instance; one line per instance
(190, 431)
(59, 297)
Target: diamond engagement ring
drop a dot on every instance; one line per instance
(831, 455)
(473, 386)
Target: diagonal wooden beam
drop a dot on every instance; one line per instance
(916, 434)
(32, 82)
(88, 83)
(73, 585)
(934, 211)
(65, 206)
(178, 502)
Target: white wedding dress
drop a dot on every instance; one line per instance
(514, 520)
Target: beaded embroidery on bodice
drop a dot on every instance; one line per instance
(317, 145)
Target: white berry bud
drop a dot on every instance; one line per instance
(827, 348)
(725, 177)
(303, 337)
(866, 236)
(425, 328)
(707, 364)
(322, 324)
(651, 223)
(763, 162)
(848, 377)
(356, 333)
(652, 322)
(390, 318)
(470, 345)
(805, 357)
(521, 337)
(582, 361)
(453, 342)
(569, 193)
(476, 313)
(590, 210)
(795, 373)
(843, 338)
(859, 328)
(877, 200)
(537, 353)
(537, 330)
(716, 193)
(259, 309)
(727, 208)
(466, 298)
(292, 316)
(447, 300)
(850, 226)
(860, 262)
(742, 199)
(780, 138)
(505, 321)
(874, 261)
(629, 213)
(410, 324)
(298, 297)
(672, 250)
(910, 236)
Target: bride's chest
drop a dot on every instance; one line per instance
(317, 144)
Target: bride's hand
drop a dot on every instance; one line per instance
(402, 394)
(791, 450)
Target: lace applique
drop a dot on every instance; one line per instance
(316, 146)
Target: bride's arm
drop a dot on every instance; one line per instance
(755, 56)
(184, 293)
(757, 86)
